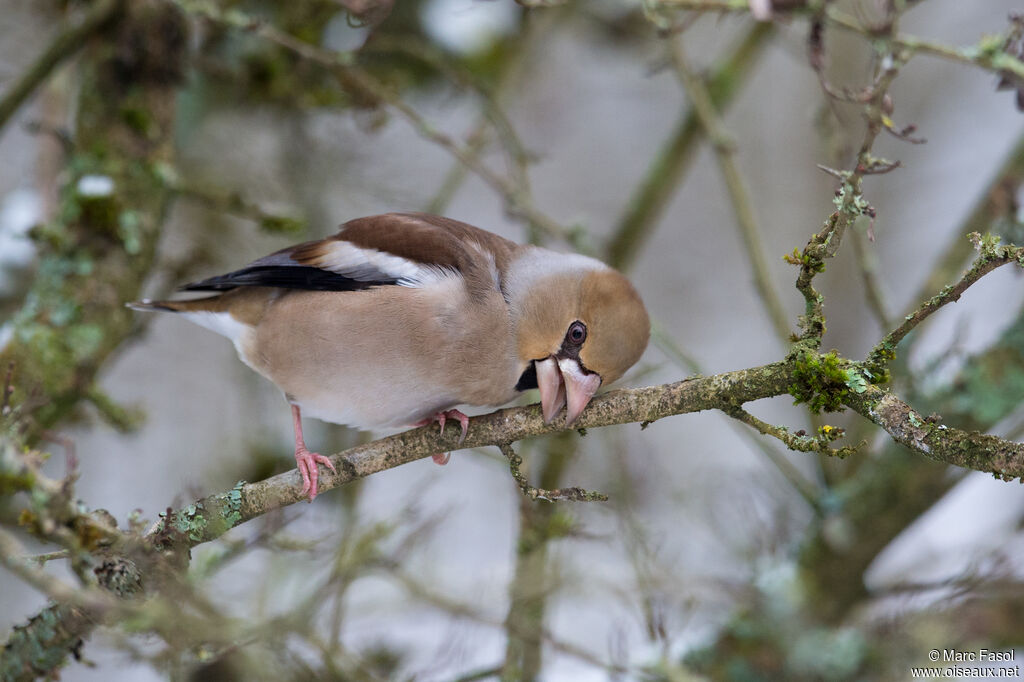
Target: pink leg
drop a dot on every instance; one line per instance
(441, 417)
(305, 460)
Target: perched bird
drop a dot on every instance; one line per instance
(400, 317)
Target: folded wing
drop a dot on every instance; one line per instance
(404, 249)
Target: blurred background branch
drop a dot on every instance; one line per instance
(176, 117)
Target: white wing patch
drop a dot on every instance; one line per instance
(367, 264)
(222, 323)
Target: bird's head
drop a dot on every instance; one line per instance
(578, 328)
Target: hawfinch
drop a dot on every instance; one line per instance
(398, 318)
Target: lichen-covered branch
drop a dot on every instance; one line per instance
(988, 54)
(13, 558)
(67, 43)
(798, 441)
(995, 207)
(573, 494)
(991, 256)
(110, 212)
(849, 202)
(928, 436)
(211, 517)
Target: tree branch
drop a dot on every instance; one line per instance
(651, 197)
(988, 54)
(58, 354)
(573, 494)
(725, 148)
(64, 45)
(991, 257)
(925, 435)
(212, 516)
(996, 202)
(517, 197)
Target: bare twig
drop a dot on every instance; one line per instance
(867, 261)
(724, 147)
(995, 199)
(518, 203)
(572, 494)
(5, 399)
(12, 556)
(991, 257)
(519, 157)
(67, 43)
(512, 65)
(797, 441)
(989, 54)
(236, 204)
(49, 556)
(663, 176)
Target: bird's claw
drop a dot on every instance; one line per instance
(441, 417)
(306, 462)
(462, 419)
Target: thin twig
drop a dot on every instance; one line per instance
(725, 149)
(14, 559)
(868, 264)
(988, 54)
(236, 204)
(63, 46)
(518, 202)
(796, 441)
(519, 157)
(49, 556)
(5, 400)
(668, 345)
(537, 28)
(991, 257)
(663, 176)
(572, 494)
(807, 489)
(998, 194)
(981, 55)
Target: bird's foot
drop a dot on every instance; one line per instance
(306, 462)
(441, 417)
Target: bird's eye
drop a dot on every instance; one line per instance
(577, 333)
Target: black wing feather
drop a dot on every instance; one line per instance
(286, 277)
(279, 269)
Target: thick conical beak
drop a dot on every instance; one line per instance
(552, 389)
(579, 388)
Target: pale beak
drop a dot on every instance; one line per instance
(552, 389)
(579, 387)
(562, 381)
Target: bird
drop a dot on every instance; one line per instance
(399, 318)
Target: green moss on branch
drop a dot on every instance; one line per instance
(96, 252)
